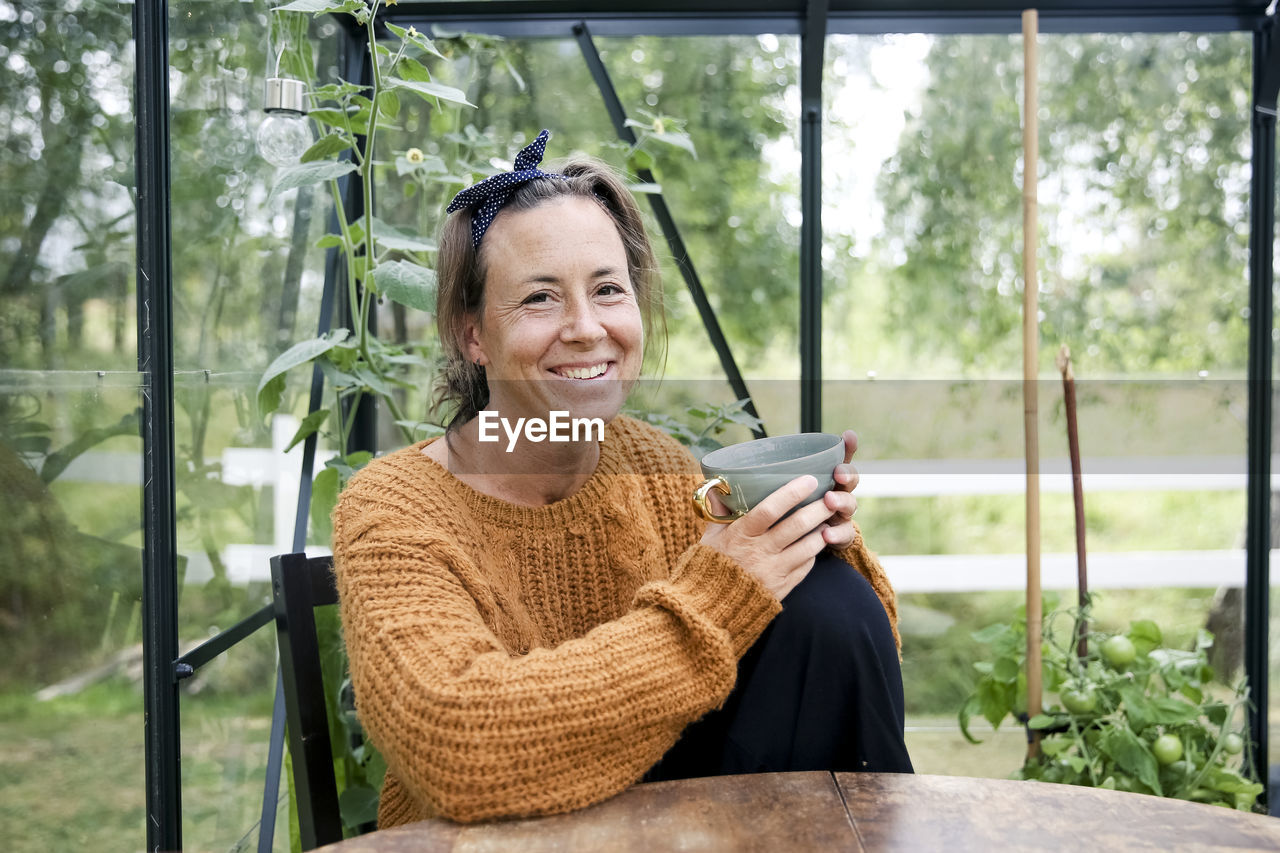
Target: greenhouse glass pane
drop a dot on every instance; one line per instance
(721, 137)
(226, 726)
(1143, 228)
(71, 726)
(247, 283)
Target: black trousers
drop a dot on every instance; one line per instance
(821, 689)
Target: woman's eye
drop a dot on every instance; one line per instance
(535, 299)
(610, 290)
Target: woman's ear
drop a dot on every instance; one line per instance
(470, 341)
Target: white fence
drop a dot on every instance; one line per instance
(271, 467)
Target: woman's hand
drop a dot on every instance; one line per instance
(779, 553)
(840, 531)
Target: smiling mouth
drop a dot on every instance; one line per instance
(582, 372)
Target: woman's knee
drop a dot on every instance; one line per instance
(835, 605)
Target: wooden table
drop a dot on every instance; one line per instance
(851, 811)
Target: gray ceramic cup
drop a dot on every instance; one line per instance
(744, 474)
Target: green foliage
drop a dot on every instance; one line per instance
(1144, 211)
(703, 425)
(1132, 715)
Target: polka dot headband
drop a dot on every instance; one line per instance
(488, 196)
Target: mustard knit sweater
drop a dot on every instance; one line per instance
(515, 660)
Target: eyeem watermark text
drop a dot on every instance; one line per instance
(559, 428)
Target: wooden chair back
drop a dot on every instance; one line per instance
(300, 584)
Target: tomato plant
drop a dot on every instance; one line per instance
(1167, 749)
(1131, 715)
(1079, 700)
(1119, 651)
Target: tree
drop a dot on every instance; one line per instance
(1144, 202)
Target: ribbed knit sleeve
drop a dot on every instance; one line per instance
(471, 731)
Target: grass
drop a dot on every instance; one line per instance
(74, 777)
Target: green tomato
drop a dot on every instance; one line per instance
(1167, 749)
(1081, 700)
(1118, 651)
(1232, 744)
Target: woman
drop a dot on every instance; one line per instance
(535, 625)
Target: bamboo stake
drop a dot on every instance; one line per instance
(1030, 360)
(1077, 491)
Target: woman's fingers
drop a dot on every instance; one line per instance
(841, 503)
(766, 513)
(850, 445)
(846, 477)
(840, 535)
(801, 522)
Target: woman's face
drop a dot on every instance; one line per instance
(560, 325)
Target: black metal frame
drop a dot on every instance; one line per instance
(155, 363)
(812, 20)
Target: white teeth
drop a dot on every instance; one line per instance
(584, 372)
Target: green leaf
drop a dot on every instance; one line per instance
(336, 91)
(678, 139)
(329, 241)
(391, 237)
(639, 161)
(415, 38)
(373, 381)
(331, 117)
(1136, 708)
(1132, 755)
(996, 700)
(1006, 670)
(31, 444)
(1042, 721)
(309, 425)
(1217, 713)
(389, 104)
(271, 387)
(429, 90)
(411, 69)
(358, 806)
(967, 710)
(306, 174)
(406, 283)
(326, 146)
(336, 376)
(1145, 634)
(408, 359)
(1054, 746)
(324, 496)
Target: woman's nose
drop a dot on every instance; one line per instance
(581, 324)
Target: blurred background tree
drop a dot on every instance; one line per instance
(1144, 203)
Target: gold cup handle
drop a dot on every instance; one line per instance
(721, 485)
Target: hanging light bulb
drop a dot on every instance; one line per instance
(284, 134)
